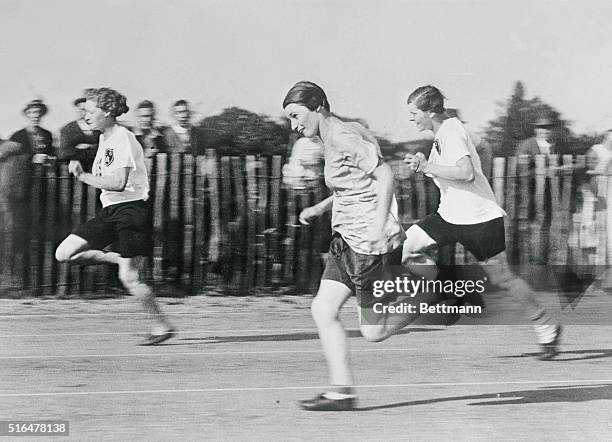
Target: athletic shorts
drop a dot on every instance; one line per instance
(483, 240)
(127, 224)
(357, 271)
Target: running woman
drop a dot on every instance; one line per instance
(467, 214)
(119, 171)
(367, 235)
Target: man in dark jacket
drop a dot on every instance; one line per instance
(181, 136)
(77, 140)
(34, 139)
(542, 142)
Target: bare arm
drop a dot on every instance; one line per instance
(310, 213)
(115, 182)
(463, 170)
(384, 175)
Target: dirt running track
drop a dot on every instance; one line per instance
(238, 366)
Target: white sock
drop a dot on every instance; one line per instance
(333, 395)
(546, 333)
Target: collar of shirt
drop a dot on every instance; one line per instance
(180, 130)
(151, 133)
(545, 146)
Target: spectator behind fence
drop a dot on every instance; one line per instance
(542, 142)
(304, 172)
(14, 185)
(181, 136)
(35, 140)
(147, 134)
(483, 148)
(596, 193)
(77, 140)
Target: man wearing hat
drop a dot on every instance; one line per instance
(542, 142)
(34, 139)
(77, 140)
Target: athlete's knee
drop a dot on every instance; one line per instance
(64, 252)
(322, 310)
(500, 274)
(420, 264)
(70, 247)
(129, 277)
(374, 333)
(411, 248)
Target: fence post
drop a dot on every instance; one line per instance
(90, 271)
(262, 209)
(64, 222)
(304, 244)
(511, 233)
(50, 229)
(274, 250)
(566, 199)
(524, 171)
(174, 232)
(239, 235)
(538, 232)
(77, 219)
(556, 248)
(158, 217)
(290, 233)
(212, 172)
(200, 222)
(499, 171)
(188, 221)
(251, 259)
(147, 271)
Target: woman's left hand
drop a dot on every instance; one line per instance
(417, 162)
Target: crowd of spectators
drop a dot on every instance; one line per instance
(76, 140)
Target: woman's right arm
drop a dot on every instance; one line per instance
(310, 213)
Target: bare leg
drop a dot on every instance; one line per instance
(376, 327)
(76, 250)
(325, 311)
(129, 274)
(500, 274)
(413, 257)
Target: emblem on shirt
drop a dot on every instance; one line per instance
(108, 156)
(436, 144)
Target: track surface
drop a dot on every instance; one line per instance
(238, 366)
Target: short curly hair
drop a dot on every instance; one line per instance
(109, 100)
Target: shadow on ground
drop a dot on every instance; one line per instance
(571, 355)
(284, 337)
(569, 393)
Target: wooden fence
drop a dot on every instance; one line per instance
(229, 222)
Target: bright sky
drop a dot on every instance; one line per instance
(368, 55)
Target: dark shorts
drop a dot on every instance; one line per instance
(483, 240)
(127, 224)
(357, 271)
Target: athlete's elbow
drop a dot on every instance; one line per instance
(469, 177)
(466, 175)
(119, 187)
